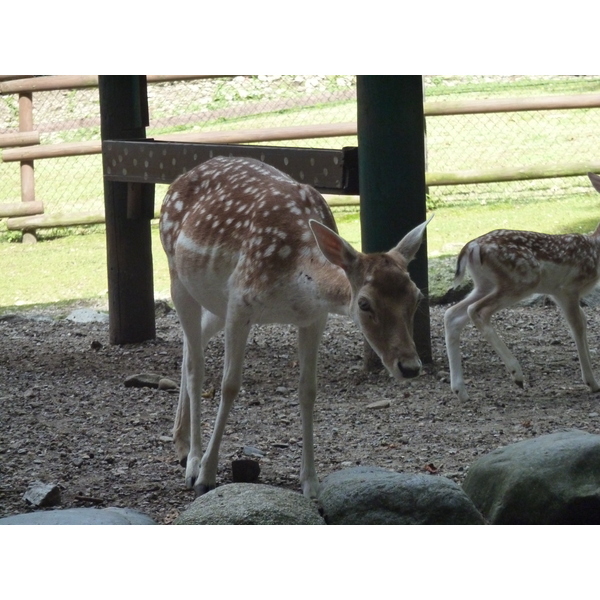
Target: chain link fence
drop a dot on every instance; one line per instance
(454, 143)
(510, 139)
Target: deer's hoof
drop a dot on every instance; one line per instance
(461, 393)
(200, 489)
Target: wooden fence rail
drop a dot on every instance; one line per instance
(23, 138)
(24, 146)
(75, 82)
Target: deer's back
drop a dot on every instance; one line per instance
(236, 225)
(549, 260)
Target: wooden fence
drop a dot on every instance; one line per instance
(24, 147)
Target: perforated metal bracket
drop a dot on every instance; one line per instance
(150, 161)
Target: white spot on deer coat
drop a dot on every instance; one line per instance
(284, 251)
(270, 250)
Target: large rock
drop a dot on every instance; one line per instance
(373, 496)
(552, 479)
(251, 504)
(80, 516)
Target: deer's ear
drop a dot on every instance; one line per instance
(411, 242)
(335, 249)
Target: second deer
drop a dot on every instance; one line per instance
(508, 266)
(247, 244)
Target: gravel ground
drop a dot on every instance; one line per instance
(67, 417)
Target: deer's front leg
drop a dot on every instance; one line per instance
(455, 319)
(577, 324)
(211, 324)
(236, 337)
(181, 429)
(309, 339)
(481, 313)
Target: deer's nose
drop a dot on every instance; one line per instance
(409, 372)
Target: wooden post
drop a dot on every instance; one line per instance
(391, 158)
(124, 115)
(27, 176)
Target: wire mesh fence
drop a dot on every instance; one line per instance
(510, 139)
(454, 143)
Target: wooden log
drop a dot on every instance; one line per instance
(167, 78)
(513, 174)
(54, 220)
(48, 82)
(209, 137)
(9, 77)
(70, 82)
(272, 134)
(471, 107)
(23, 138)
(21, 209)
(342, 200)
(52, 151)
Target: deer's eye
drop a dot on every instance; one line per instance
(364, 304)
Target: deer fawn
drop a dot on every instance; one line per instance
(507, 266)
(247, 244)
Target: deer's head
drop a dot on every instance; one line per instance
(383, 296)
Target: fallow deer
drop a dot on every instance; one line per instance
(508, 266)
(247, 244)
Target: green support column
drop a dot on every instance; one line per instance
(391, 160)
(124, 115)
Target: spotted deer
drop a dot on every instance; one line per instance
(508, 266)
(247, 244)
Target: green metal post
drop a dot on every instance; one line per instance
(124, 115)
(391, 160)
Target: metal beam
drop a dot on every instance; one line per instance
(150, 161)
(124, 115)
(391, 156)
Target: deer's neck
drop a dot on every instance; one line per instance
(334, 289)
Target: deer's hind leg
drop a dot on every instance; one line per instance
(576, 320)
(187, 428)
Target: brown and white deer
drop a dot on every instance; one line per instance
(508, 266)
(247, 244)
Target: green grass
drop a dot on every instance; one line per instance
(67, 268)
(70, 265)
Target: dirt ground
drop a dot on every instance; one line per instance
(67, 418)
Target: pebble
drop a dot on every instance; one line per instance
(252, 451)
(166, 384)
(41, 494)
(150, 380)
(380, 404)
(86, 315)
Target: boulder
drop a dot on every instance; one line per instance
(374, 496)
(80, 516)
(551, 479)
(250, 504)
